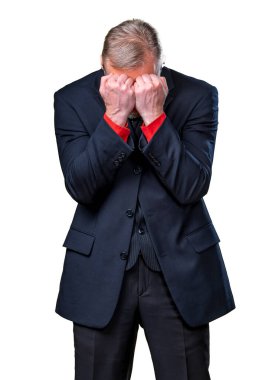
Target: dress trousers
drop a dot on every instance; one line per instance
(141, 243)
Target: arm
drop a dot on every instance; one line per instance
(183, 161)
(89, 163)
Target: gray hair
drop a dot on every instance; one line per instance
(128, 44)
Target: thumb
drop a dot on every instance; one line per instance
(164, 85)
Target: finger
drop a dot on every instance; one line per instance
(112, 80)
(154, 76)
(139, 80)
(147, 78)
(137, 85)
(155, 79)
(122, 79)
(129, 82)
(114, 77)
(164, 85)
(105, 78)
(163, 79)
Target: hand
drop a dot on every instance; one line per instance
(118, 94)
(150, 92)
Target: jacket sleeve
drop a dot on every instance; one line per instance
(183, 159)
(89, 162)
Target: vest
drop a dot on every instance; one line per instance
(140, 243)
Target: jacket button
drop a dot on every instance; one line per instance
(116, 162)
(123, 255)
(137, 170)
(129, 212)
(141, 231)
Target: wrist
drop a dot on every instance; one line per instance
(148, 119)
(115, 121)
(117, 118)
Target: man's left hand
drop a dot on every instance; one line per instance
(150, 91)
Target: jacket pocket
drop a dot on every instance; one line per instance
(79, 241)
(203, 238)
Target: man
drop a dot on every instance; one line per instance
(136, 145)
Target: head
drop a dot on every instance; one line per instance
(132, 47)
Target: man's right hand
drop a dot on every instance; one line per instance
(118, 94)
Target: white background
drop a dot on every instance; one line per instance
(45, 45)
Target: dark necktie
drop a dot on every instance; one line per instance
(134, 125)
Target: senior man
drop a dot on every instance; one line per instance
(136, 144)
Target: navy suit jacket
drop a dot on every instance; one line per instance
(100, 174)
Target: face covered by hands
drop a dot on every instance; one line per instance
(141, 92)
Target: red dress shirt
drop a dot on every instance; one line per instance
(148, 130)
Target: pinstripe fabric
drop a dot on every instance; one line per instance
(141, 244)
(140, 239)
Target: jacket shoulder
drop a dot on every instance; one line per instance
(190, 92)
(79, 87)
(190, 81)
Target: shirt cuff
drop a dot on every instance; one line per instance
(150, 129)
(122, 131)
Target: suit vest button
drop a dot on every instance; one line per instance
(141, 231)
(123, 255)
(129, 212)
